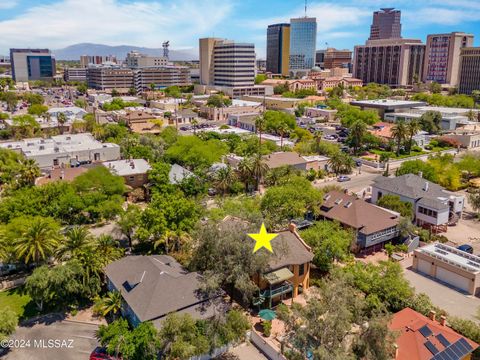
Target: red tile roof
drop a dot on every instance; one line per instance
(411, 342)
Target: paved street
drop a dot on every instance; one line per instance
(358, 182)
(454, 302)
(75, 342)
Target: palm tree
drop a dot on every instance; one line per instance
(260, 124)
(37, 240)
(399, 133)
(282, 129)
(172, 240)
(107, 248)
(341, 163)
(412, 128)
(259, 169)
(317, 136)
(77, 239)
(245, 172)
(385, 159)
(357, 132)
(224, 178)
(194, 123)
(28, 172)
(62, 119)
(111, 304)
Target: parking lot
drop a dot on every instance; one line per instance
(59, 340)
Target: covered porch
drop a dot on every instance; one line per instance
(278, 287)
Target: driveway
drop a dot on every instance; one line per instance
(74, 341)
(248, 351)
(358, 182)
(454, 302)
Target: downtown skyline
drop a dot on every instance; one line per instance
(341, 24)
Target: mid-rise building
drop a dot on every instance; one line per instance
(395, 62)
(226, 63)
(303, 39)
(386, 24)
(278, 48)
(442, 57)
(86, 60)
(75, 74)
(110, 77)
(32, 64)
(137, 60)
(469, 70)
(320, 58)
(161, 77)
(337, 58)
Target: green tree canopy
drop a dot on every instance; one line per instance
(394, 203)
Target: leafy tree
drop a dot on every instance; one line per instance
(430, 121)
(82, 88)
(8, 322)
(394, 203)
(33, 98)
(281, 88)
(128, 222)
(260, 78)
(11, 99)
(416, 167)
(81, 103)
(218, 101)
(329, 242)
(357, 134)
(24, 126)
(377, 341)
(37, 109)
(290, 200)
(118, 104)
(341, 163)
(435, 87)
(474, 200)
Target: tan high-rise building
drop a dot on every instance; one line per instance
(442, 57)
(469, 79)
(206, 46)
(386, 24)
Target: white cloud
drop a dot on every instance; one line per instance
(8, 4)
(440, 16)
(113, 22)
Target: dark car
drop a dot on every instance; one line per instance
(343, 178)
(100, 353)
(467, 248)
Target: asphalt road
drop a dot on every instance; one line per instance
(358, 182)
(74, 341)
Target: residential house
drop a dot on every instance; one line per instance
(178, 173)
(154, 286)
(373, 225)
(238, 107)
(134, 171)
(287, 158)
(383, 130)
(184, 116)
(63, 174)
(434, 207)
(426, 338)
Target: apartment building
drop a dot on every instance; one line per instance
(110, 77)
(278, 48)
(86, 60)
(63, 150)
(469, 70)
(442, 57)
(303, 39)
(32, 64)
(161, 77)
(137, 60)
(75, 74)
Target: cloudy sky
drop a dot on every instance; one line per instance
(341, 23)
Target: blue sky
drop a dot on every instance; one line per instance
(341, 23)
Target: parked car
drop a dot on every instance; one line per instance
(343, 178)
(467, 248)
(100, 353)
(358, 163)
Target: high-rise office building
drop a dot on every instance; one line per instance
(303, 39)
(337, 58)
(442, 57)
(394, 62)
(469, 78)
(386, 24)
(226, 63)
(32, 64)
(86, 60)
(278, 48)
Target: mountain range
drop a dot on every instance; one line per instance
(73, 52)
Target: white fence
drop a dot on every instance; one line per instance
(269, 350)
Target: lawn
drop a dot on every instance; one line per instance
(393, 155)
(18, 301)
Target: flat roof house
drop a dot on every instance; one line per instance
(434, 207)
(425, 338)
(373, 225)
(286, 158)
(154, 286)
(134, 171)
(449, 265)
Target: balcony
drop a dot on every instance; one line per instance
(279, 289)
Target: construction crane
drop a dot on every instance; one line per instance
(165, 46)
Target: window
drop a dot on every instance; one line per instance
(55, 162)
(301, 269)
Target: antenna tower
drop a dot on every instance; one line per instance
(165, 46)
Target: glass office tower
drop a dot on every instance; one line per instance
(303, 38)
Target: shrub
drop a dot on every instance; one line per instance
(8, 322)
(267, 328)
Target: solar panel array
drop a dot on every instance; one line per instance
(425, 331)
(455, 351)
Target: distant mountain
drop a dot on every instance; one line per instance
(73, 52)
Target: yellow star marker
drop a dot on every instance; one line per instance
(263, 239)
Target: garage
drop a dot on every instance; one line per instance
(453, 279)
(424, 267)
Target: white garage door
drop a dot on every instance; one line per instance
(453, 279)
(424, 266)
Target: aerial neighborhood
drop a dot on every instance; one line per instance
(301, 204)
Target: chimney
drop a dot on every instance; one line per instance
(431, 315)
(292, 227)
(425, 187)
(345, 191)
(443, 320)
(420, 173)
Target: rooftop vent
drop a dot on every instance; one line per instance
(348, 204)
(326, 197)
(425, 186)
(338, 201)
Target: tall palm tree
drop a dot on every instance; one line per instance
(77, 239)
(37, 240)
(413, 127)
(172, 240)
(282, 129)
(341, 163)
(62, 119)
(194, 123)
(28, 172)
(259, 169)
(317, 136)
(107, 249)
(399, 133)
(357, 133)
(224, 178)
(245, 172)
(260, 124)
(111, 304)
